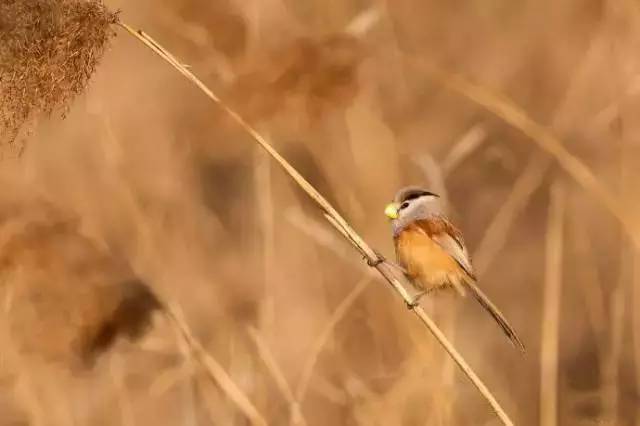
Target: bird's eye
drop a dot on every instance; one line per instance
(404, 205)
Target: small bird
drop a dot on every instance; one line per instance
(431, 251)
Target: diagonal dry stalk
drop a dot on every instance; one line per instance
(314, 230)
(336, 316)
(545, 139)
(533, 175)
(341, 225)
(497, 233)
(278, 377)
(212, 367)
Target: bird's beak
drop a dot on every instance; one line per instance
(391, 211)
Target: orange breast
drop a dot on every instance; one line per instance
(427, 264)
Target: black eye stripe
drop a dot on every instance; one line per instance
(413, 196)
(418, 194)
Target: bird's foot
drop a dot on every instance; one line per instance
(415, 302)
(377, 261)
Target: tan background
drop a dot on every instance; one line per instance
(180, 191)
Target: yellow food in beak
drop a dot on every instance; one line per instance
(391, 211)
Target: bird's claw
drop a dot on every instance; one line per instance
(415, 302)
(375, 262)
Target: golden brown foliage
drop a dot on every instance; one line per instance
(153, 170)
(48, 51)
(70, 299)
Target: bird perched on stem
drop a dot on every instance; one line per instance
(431, 251)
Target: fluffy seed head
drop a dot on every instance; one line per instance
(48, 51)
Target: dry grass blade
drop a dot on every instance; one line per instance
(464, 147)
(334, 218)
(320, 235)
(551, 310)
(214, 369)
(593, 291)
(300, 180)
(515, 116)
(497, 232)
(276, 373)
(337, 315)
(616, 326)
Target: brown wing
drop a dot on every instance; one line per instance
(449, 238)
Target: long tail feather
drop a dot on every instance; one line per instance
(495, 313)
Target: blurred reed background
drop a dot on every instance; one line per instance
(170, 184)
